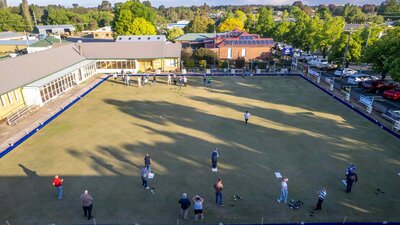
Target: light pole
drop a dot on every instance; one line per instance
(345, 54)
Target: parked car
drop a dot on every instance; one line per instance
(305, 57)
(378, 86)
(357, 79)
(347, 72)
(320, 63)
(393, 94)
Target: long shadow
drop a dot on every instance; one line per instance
(28, 172)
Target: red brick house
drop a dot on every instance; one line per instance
(240, 44)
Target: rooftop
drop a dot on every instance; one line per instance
(10, 35)
(48, 41)
(197, 36)
(63, 26)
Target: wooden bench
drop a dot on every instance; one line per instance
(19, 114)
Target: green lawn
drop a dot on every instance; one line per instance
(99, 145)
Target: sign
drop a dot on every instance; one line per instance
(287, 51)
(313, 72)
(366, 100)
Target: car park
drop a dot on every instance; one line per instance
(378, 86)
(357, 79)
(393, 94)
(347, 72)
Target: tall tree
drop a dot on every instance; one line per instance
(265, 23)
(140, 26)
(200, 24)
(174, 33)
(384, 54)
(282, 31)
(126, 15)
(331, 29)
(240, 15)
(231, 24)
(26, 14)
(10, 21)
(339, 47)
(105, 6)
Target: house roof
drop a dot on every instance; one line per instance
(60, 26)
(17, 42)
(196, 36)
(19, 71)
(9, 35)
(130, 50)
(26, 69)
(48, 41)
(140, 38)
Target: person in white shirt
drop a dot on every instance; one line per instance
(169, 82)
(139, 81)
(246, 117)
(284, 191)
(115, 76)
(127, 79)
(321, 198)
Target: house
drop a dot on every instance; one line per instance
(103, 33)
(195, 40)
(37, 78)
(179, 24)
(9, 35)
(45, 44)
(240, 44)
(55, 29)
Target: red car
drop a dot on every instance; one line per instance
(377, 86)
(392, 94)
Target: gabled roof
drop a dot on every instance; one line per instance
(19, 71)
(130, 50)
(9, 35)
(48, 41)
(22, 70)
(60, 26)
(196, 36)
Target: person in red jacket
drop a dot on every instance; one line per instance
(57, 182)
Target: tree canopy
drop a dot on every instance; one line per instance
(200, 24)
(175, 33)
(231, 24)
(384, 54)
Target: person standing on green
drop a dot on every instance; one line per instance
(209, 80)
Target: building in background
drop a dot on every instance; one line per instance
(195, 40)
(55, 29)
(9, 35)
(15, 46)
(45, 44)
(103, 33)
(180, 24)
(37, 78)
(240, 44)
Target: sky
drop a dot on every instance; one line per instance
(92, 3)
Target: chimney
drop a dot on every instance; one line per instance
(80, 47)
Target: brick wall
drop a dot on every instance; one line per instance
(259, 52)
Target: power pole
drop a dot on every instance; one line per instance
(345, 54)
(34, 18)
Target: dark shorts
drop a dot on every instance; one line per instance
(198, 211)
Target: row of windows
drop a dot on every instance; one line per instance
(56, 87)
(89, 70)
(11, 97)
(126, 64)
(230, 52)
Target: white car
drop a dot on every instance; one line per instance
(357, 79)
(319, 63)
(347, 72)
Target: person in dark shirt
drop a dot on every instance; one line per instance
(351, 178)
(147, 161)
(185, 204)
